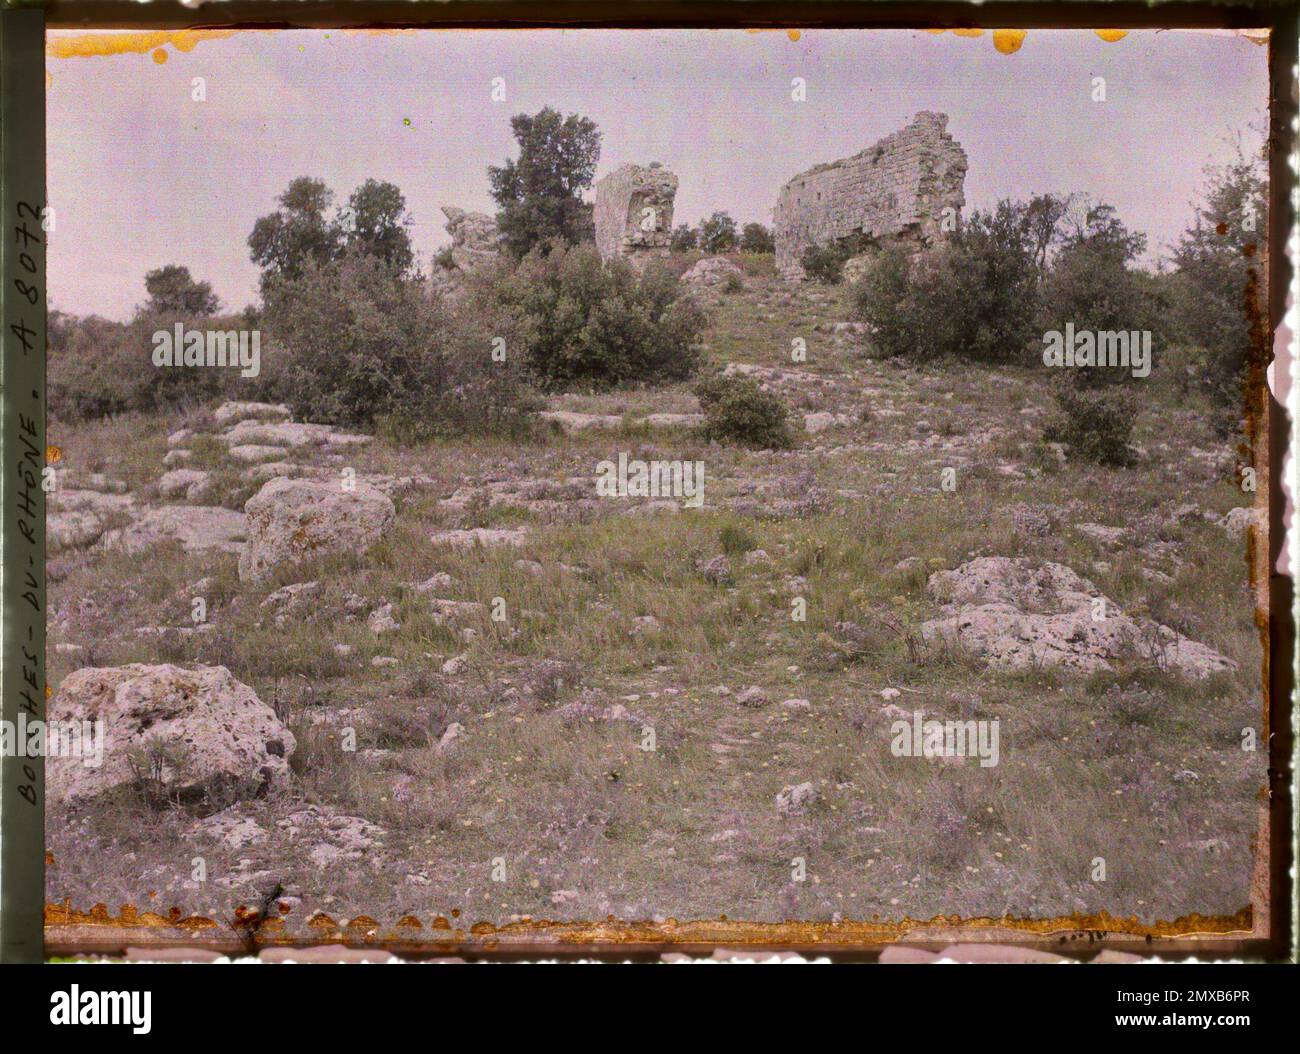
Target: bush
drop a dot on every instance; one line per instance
(825, 263)
(578, 321)
(1095, 423)
(974, 296)
(755, 238)
(97, 367)
(736, 410)
(358, 344)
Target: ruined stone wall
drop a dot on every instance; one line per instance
(624, 227)
(893, 192)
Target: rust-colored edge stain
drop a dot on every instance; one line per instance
(92, 44)
(68, 928)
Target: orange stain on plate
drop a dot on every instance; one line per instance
(1111, 35)
(53, 455)
(87, 45)
(1008, 41)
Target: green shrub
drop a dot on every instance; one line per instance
(825, 263)
(580, 322)
(96, 367)
(358, 344)
(737, 411)
(736, 540)
(973, 296)
(1095, 423)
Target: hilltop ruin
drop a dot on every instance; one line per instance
(894, 192)
(634, 212)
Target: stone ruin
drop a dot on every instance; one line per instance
(634, 212)
(475, 242)
(889, 194)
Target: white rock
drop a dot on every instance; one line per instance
(230, 412)
(225, 733)
(795, 800)
(294, 519)
(1019, 613)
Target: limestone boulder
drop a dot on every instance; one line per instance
(1018, 613)
(289, 520)
(221, 740)
(712, 272)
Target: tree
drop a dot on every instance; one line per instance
(375, 222)
(1093, 284)
(298, 233)
(684, 238)
(172, 291)
(1044, 216)
(755, 238)
(540, 193)
(717, 233)
(974, 295)
(1221, 278)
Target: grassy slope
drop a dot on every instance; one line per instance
(690, 830)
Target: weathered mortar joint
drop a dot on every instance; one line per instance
(892, 193)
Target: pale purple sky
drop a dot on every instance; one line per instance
(141, 175)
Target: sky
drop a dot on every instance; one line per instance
(140, 174)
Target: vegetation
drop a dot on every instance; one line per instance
(737, 410)
(581, 322)
(539, 194)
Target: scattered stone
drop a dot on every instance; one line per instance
(1019, 613)
(294, 519)
(455, 666)
(757, 558)
(189, 483)
(796, 704)
(448, 740)
(1238, 520)
(291, 600)
(712, 272)
(484, 536)
(530, 567)
(72, 530)
(251, 453)
(440, 581)
(753, 696)
(229, 413)
(381, 620)
(228, 739)
(795, 800)
(381, 662)
(889, 693)
(195, 527)
(1100, 533)
(717, 570)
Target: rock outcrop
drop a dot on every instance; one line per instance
(215, 739)
(1019, 613)
(289, 520)
(712, 272)
(634, 212)
(894, 192)
(475, 243)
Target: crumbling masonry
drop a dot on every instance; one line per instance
(634, 212)
(892, 193)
